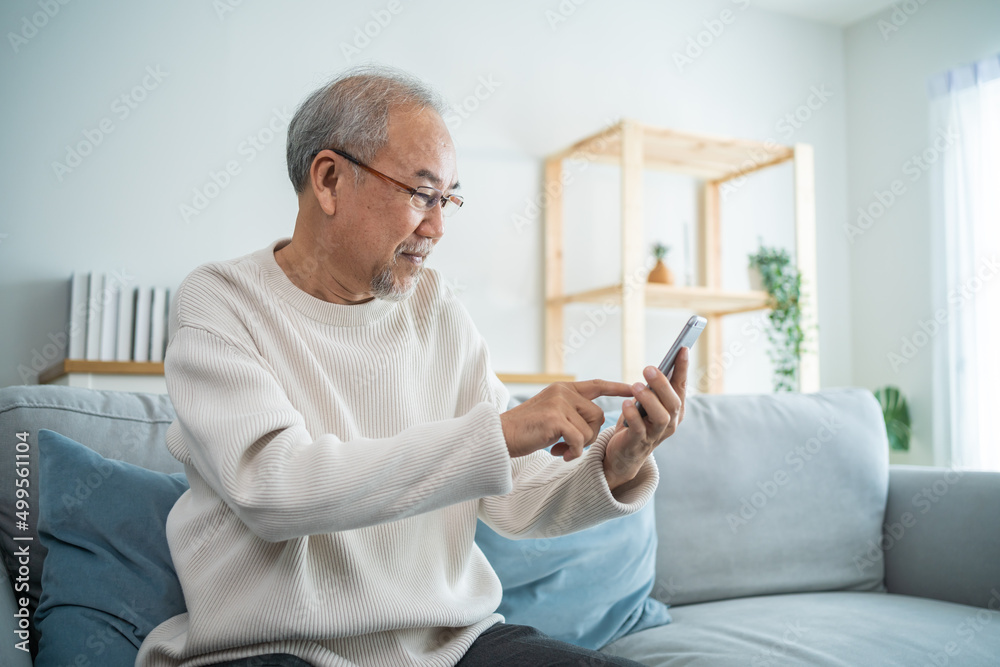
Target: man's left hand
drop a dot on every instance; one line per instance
(663, 402)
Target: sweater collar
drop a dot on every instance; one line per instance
(337, 314)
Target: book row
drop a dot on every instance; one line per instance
(113, 320)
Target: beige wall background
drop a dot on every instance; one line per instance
(171, 93)
(217, 81)
(888, 123)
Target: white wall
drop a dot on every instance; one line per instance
(553, 82)
(888, 123)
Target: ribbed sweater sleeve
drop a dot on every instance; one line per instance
(252, 446)
(552, 498)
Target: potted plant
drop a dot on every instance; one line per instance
(660, 273)
(783, 284)
(896, 414)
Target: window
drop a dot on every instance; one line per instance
(965, 119)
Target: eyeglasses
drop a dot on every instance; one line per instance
(423, 198)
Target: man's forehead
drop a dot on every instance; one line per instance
(436, 180)
(421, 139)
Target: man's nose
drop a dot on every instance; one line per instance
(432, 225)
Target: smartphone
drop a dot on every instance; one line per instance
(688, 335)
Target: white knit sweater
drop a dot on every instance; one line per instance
(338, 458)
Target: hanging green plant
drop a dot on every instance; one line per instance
(782, 282)
(896, 413)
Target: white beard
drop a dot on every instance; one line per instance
(384, 285)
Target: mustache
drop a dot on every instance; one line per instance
(415, 249)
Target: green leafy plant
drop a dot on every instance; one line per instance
(896, 413)
(660, 251)
(784, 287)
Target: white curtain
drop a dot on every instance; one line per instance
(965, 174)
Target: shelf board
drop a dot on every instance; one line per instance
(66, 366)
(702, 300)
(535, 378)
(705, 156)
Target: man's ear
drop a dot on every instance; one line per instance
(324, 178)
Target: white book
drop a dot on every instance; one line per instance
(140, 347)
(157, 325)
(95, 313)
(126, 323)
(79, 284)
(109, 321)
(171, 317)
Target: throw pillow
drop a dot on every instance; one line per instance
(108, 579)
(588, 588)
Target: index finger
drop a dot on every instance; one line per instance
(678, 379)
(591, 389)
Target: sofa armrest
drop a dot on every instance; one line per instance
(10, 655)
(941, 536)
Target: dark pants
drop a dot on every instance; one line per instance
(508, 645)
(503, 645)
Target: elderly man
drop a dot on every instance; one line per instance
(342, 430)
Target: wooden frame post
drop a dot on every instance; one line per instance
(711, 349)
(553, 353)
(633, 275)
(805, 256)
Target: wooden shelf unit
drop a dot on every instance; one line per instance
(141, 376)
(67, 366)
(703, 299)
(635, 147)
(82, 373)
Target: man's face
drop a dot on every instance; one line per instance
(390, 239)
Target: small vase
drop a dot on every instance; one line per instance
(756, 279)
(661, 274)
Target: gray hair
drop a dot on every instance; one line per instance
(352, 113)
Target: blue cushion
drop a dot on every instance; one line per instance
(108, 579)
(588, 588)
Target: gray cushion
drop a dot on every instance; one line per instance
(943, 537)
(119, 425)
(820, 630)
(771, 494)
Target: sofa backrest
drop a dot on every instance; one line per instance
(758, 494)
(770, 494)
(125, 426)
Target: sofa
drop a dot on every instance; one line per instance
(778, 535)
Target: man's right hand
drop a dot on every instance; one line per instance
(563, 414)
